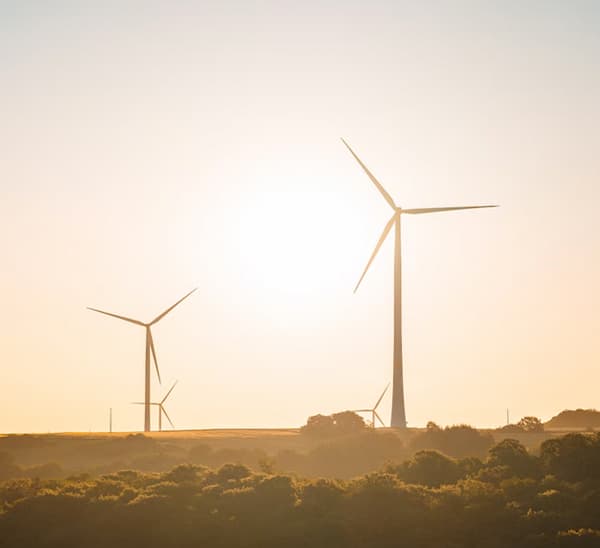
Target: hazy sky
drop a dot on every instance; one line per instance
(151, 147)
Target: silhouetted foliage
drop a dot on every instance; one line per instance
(513, 455)
(574, 457)
(319, 426)
(527, 425)
(348, 422)
(431, 500)
(429, 468)
(531, 424)
(338, 424)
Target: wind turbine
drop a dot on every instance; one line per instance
(161, 408)
(149, 350)
(398, 411)
(373, 411)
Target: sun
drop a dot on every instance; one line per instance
(295, 243)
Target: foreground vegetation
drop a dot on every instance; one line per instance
(508, 498)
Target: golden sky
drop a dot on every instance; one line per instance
(151, 147)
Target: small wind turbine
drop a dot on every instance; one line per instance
(398, 411)
(149, 350)
(161, 408)
(373, 411)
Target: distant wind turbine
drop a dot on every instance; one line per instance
(373, 411)
(149, 350)
(161, 408)
(398, 410)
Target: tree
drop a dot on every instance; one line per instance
(531, 424)
(574, 457)
(514, 456)
(319, 426)
(348, 422)
(325, 426)
(429, 468)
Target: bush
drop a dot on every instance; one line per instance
(328, 426)
(513, 455)
(430, 501)
(429, 468)
(572, 457)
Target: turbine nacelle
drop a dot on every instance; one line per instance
(398, 211)
(138, 322)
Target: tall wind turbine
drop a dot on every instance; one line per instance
(398, 411)
(161, 408)
(373, 410)
(149, 350)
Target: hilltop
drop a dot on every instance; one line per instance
(575, 419)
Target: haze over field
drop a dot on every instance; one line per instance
(152, 147)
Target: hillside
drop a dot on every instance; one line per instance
(575, 419)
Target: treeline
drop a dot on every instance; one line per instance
(509, 498)
(343, 450)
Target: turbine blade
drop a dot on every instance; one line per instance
(361, 410)
(383, 236)
(379, 419)
(379, 186)
(168, 418)
(154, 354)
(168, 393)
(161, 316)
(418, 211)
(381, 397)
(137, 403)
(131, 320)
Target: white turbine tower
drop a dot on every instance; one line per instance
(149, 350)
(161, 408)
(398, 410)
(373, 410)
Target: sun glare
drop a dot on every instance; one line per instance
(289, 243)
